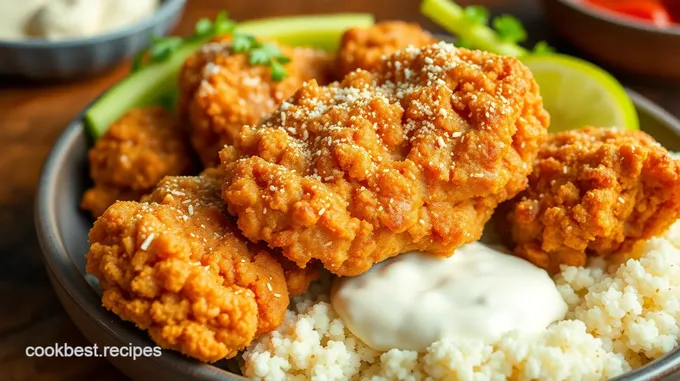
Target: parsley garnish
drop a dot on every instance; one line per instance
(509, 28)
(162, 48)
(477, 14)
(259, 53)
(242, 43)
(471, 26)
(203, 27)
(542, 47)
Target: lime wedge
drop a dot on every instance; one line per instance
(577, 93)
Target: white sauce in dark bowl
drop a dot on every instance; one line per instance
(69, 19)
(412, 300)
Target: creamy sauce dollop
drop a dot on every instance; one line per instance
(415, 299)
(69, 19)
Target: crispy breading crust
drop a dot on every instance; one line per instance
(137, 151)
(364, 48)
(98, 198)
(220, 91)
(298, 279)
(415, 156)
(175, 265)
(594, 191)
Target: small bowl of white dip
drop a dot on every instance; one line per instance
(65, 39)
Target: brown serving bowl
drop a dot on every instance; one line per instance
(621, 43)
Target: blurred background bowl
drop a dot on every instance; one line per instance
(631, 46)
(42, 59)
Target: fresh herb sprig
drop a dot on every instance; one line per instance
(259, 53)
(542, 47)
(205, 28)
(509, 28)
(471, 26)
(162, 48)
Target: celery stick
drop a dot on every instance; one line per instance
(451, 17)
(319, 31)
(142, 88)
(157, 80)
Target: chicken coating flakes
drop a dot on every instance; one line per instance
(176, 266)
(594, 191)
(220, 91)
(415, 156)
(98, 198)
(137, 151)
(365, 48)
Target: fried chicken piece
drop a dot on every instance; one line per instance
(364, 48)
(220, 91)
(176, 265)
(594, 191)
(414, 156)
(298, 279)
(136, 152)
(98, 198)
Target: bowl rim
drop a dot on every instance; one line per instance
(165, 10)
(65, 274)
(578, 5)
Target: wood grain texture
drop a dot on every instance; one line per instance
(33, 115)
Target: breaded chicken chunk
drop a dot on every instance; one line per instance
(594, 191)
(135, 153)
(98, 198)
(220, 91)
(414, 156)
(176, 266)
(364, 48)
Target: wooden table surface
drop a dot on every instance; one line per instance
(32, 115)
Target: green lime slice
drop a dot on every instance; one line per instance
(577, 93)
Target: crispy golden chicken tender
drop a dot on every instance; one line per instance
(298, 279)
(137, 151)
(98, 198)
(415, 156)
(594, 191)
(176, 266)
(364, 48)
(220, 91)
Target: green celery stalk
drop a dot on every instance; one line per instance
(451, 17)
(159, 80)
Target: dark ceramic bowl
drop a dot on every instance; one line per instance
(62, 230)
(40, 59)
(617, 42)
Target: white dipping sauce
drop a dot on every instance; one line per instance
(410, 301)
(68, 19)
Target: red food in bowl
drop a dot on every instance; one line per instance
(658, 12)
(673, 8)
